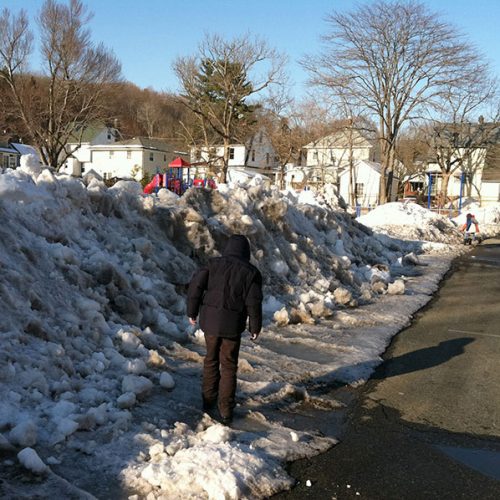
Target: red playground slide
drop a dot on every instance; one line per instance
(151, 186)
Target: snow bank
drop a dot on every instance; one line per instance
(94, 336)
(411, 221)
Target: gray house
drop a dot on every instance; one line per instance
(9, 156)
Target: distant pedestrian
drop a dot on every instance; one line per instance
(469, 220)
(471, 230)
(225, 293)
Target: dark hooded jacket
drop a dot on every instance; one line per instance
(226, 292)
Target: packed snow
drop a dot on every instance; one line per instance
(412, 222)
(100, 370)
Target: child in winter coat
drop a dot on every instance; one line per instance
(469, 220)
(225, 293)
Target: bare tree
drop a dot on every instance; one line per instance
(149, 116)
(220, 80)
(393, 58)
(68, 98)
(281, 120)
(456, 139)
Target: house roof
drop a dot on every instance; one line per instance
(5, 147)
(87, 134)
(360, 163)
(342, 139)
(144, 142)
(25, 149)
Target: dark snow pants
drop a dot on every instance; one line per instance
(219, 373)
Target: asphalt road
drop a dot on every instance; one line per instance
(427, 425)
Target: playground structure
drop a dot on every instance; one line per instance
(177, 179)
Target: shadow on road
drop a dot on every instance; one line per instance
(422, 359)
(385, 457)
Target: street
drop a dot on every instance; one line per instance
(427, 425)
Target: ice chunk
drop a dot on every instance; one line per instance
(140, 386)
(217, 434)
(280, 267)
(281, 317)
(66, 426)
(126, 400)
(396, 288)
(342, 296)
(135, 366)
(129, 340)
(167, 381)
(29, 459)
(156, 450)
(63, 408)
(24, 434)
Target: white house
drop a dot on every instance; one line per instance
(80, 148)
(365, 183)
(132, 158)
(339, 149)
(324, 159)
(256, 156)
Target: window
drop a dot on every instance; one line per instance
(267, 158)
(109, 137)
(82, 170)
(12, 162)
(260, 138)
(315, 155)
(253, 154)
(129, 155)
(164, 157)
(151, 156)
(359, 189)
(231, 153)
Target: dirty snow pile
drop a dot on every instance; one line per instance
(100, 366)
(410, 221)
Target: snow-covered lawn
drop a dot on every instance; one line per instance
(100, 370)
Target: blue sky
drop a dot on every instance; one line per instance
(147, 36)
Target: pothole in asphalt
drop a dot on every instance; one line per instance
(486, 462)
